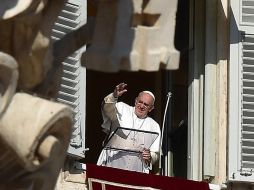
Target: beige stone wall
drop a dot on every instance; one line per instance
(67, 181)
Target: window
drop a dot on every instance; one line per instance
(241, 92)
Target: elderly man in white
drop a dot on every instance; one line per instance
(118, 114)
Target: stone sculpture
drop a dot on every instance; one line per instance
(34, 132)
(133, 35)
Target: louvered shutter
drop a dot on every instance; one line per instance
(72, 89)
(241, 95)
(247, 12)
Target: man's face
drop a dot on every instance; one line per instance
(143, 105)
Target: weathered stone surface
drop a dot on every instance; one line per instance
(27, 38)
(34, 132)
(8, 80)
(34, 136)
(10, 8)
(133, 35)
(71, 176)
(74, 181)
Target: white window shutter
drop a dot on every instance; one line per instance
(241, 92)
(247, 12)
(73, 86)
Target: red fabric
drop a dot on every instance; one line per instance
(140, 179)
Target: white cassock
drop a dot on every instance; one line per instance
(118, 114)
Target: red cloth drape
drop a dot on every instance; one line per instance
(139, 179)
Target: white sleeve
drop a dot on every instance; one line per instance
(108, 110)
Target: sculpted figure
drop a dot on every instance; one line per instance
(34, 132)
(133, 35)
(25, 31)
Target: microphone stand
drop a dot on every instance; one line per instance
(163, 126)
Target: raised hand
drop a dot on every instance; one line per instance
(120, 89)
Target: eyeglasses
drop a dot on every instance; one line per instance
(146, 106)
